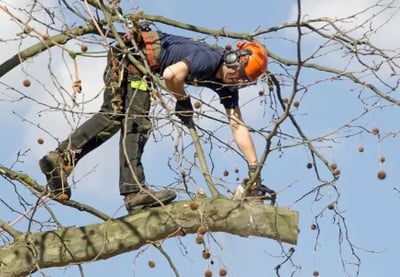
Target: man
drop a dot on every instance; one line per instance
(180, 61)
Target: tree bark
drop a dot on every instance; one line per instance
(34, 251)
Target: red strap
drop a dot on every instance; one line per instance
(148, 40)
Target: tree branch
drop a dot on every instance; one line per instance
(113, 237)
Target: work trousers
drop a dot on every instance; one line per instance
(134, 126)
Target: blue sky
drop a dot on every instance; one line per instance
(366, 203)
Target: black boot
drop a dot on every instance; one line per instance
(56, 171)
(148, 198)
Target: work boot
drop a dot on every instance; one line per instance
(258, 192)
(56, 172)
(148, 198)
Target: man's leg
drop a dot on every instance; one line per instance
(58, 164)
(135, 130)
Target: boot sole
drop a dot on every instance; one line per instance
(165, 201)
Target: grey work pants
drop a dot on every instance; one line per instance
(134, 126)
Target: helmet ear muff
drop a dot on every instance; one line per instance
(232, 58)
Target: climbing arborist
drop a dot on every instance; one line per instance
(179, 61)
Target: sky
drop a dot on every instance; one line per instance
(366, 203)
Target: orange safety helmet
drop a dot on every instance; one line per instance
(252, 58)
(256, 63)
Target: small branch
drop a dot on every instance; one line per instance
(165, 254)
(29, 182)
(7, 228)
(203, 162)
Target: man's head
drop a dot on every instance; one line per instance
(245, 64)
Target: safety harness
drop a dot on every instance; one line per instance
(118, 64)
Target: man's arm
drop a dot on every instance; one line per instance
(241, 135)
(174, 77)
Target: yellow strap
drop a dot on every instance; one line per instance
(142, 85)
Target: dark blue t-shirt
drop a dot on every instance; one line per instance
(203, 61)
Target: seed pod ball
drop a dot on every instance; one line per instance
(194, 205)
(206, 254)
(201, 230)
(199, 239)
(151, 263)
(222, 272)
(381, 175)
(26, 83)
(84, 48)
(313, 227)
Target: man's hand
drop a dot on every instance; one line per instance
(184, 110)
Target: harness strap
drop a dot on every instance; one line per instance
(152, 46)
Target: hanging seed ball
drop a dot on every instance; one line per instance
(381, 175)
(382, 159)
(194, 205)
(261, 93)
(222, 272)
(151, 263)
(40, 141)
(336, 172)
(201, 230)
(199, 239)
(375, 131)
(309, 165)
(84, 48)
(206, 254)
(313, 227)
(333, 166)
(197, 104)
(26, 83)
(285, 100)
(45, 36)
(361, 149)
(315, 273)
(236, 170)
(331, 206)
(226, 173)
(296, 104)
(208, 273)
